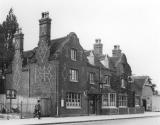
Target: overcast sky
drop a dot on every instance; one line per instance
(134, 25)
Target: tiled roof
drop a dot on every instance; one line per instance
(107, 90)
(138, 83)
(30, 54)
(115, 61)
(57, 44)
(96, 59)
(120, 59)
(87, 52)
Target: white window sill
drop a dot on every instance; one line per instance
(104, 86)
(73, 107)
(123, 87)
(73, 59)
(73, 80)
(109, 107)
(91, 83)
(137, 105)
(122, 106)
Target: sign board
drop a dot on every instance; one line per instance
(11, 94)
(62, 102)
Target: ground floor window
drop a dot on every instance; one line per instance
(123, 100)
(73, 100)
(137, 100)
(109, 100)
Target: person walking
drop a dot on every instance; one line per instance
(37, 110)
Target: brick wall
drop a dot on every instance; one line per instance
(65, 85)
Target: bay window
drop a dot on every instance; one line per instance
(123, 100)
(109, 100)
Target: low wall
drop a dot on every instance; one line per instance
(123, 111)
(116, 111)
(109, 111)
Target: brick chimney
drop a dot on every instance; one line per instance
(44, 28)
(116, 52)
(98, 47)
(18, 37)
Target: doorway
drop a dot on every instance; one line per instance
(144, 104)
(45, 106)
(92, 105)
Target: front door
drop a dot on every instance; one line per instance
(144, 104)
(45, 106)
(92, 105)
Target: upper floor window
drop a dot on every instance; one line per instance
(91, 78)
(73, 54)
(123, 83)
(73, 75)
(106, 81)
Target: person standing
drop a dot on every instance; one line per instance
(37, 110)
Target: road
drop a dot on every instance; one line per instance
(136, 121)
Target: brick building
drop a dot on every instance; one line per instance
(68, 79)
(142, 86)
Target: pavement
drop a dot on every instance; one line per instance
(76, 119)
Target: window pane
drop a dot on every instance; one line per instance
(74, 54)
(73, 75)
(73, 100)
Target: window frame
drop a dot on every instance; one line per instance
(107, 81)
(123, 83)
(111, 102)
(91, 78)
(73, 54)
(73, 100)
(123, 101)
(139, 101)
(73, 75)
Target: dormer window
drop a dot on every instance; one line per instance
(73, 54)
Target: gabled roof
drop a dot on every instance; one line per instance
(55, 46)
(139, 82)
(119, 59)
(97, 59)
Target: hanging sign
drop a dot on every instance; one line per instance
(11, 94)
